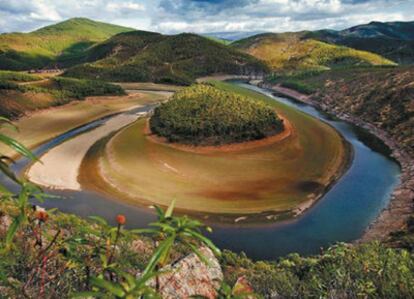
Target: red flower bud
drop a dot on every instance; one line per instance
(121, 219)
(42, 216)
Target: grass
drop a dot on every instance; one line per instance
(246, 182)
(205, 115)
(293, 52)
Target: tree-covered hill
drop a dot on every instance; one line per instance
(393, 40)
(56, 44)
(147, 56)
(205, 115)
(295, 51)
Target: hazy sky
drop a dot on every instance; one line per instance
(171, 16)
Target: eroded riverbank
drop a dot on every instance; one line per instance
(394, 216)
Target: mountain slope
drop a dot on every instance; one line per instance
(295, 51)
(393, 40)
(147, 56)
(60, 43)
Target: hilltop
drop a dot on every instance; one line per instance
(149, 56)
(294, 51)
(59, 43)
(393, 40)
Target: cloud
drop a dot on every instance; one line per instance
(172, 16)
(276, 15)
(26, 15)
(125, 6)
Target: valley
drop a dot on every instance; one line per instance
(285, 158)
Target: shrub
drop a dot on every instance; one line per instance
(17, 76)
(82, 88)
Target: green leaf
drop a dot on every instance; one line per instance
(160, 212)
(206, 241)
(5, 169)
(6, 121)
(158, 255)
(11, 232)
(99, 220)
(170, 209)
(17, 146)
(5, 192)
(198, 253)
(109, 286)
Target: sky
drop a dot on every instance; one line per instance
(203, 16)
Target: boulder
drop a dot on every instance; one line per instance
(190, 277)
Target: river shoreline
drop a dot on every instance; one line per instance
(401, 205)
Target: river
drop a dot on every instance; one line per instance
(342, 214)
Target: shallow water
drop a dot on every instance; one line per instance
(341, 215)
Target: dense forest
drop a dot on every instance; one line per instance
(204, 115)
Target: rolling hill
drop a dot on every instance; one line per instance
(148, 56)
(295, 51)
(61, 43)
(393, 40)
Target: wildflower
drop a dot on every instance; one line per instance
(120, 219)
(42, 216)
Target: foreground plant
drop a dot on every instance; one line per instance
(167, 232)
(27, 190)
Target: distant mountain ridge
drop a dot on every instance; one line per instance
(298, 51)
(393, 40)
(80, 40)
(56, 44)
(232, 35)
(149, 56)
(394, 30)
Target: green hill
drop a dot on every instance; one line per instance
(205, 115)
(61, 43)
(393, 40)
(294, 51)
(148, 56)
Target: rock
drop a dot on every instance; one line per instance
(191, 277)
(141, 247)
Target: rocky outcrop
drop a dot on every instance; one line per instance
(190, 277)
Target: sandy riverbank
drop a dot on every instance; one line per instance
(59, 168)
(40, 126)
(401, 206)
